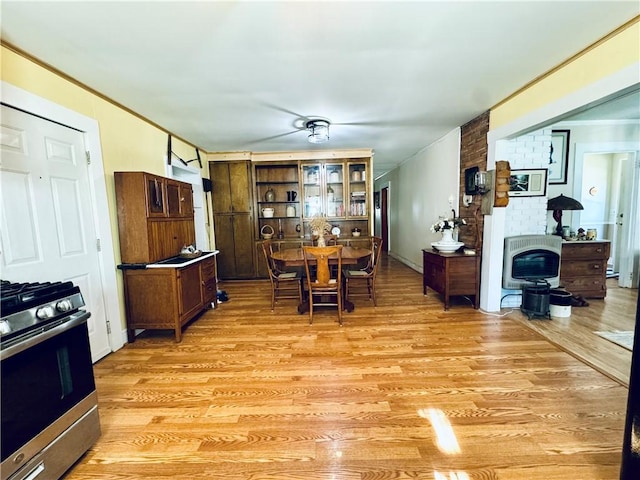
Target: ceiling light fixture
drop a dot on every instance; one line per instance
(319, 129)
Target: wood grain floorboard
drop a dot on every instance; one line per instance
(251, 394)
(575, 334)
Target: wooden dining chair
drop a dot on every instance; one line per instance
(324, 283)
(363, 282)
(283, 284)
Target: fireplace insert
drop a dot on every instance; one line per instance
(530, 258)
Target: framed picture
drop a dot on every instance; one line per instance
(528, 183)
(559, 156)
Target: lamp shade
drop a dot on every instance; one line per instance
(563, 203)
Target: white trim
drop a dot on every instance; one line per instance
(28, 102)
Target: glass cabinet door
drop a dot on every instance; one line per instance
(155, 196)
(358, 194)
(324, 191)
(312, 190)
(334, 177)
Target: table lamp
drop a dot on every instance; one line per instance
(560, 203)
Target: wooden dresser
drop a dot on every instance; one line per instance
(451, 274)
(583, 267)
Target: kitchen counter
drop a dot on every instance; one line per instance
(178, 261)
(173, 262)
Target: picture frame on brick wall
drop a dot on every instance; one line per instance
(558, 157)
(528, 183)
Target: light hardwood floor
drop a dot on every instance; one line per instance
(255, 395)
(575, 334)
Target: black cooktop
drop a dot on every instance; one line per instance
(17, 297)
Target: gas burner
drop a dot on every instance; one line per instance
(15, 297)
(27, 307)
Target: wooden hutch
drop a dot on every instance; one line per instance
(279, 192)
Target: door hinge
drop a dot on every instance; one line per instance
(98, 245)
(108, 327)
(88, 155)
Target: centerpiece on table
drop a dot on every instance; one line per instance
(446, 226)
(319, 227)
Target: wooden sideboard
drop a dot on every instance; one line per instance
(583, 267)
(451, 274)
(167, 297)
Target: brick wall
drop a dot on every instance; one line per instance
(473, 153)
(527, 215)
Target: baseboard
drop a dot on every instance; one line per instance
(407, 262)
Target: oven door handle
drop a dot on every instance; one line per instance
(74, 320)
(35, 472)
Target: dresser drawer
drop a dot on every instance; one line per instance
(208, 269)
(592, 287)
(583, 267)
(585, 250)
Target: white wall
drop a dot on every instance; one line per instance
(420, 190)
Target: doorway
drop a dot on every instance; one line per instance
(384, 218)
(606, 183)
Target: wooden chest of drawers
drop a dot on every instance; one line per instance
(583, 268)
(451, 274)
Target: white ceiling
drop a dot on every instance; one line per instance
(389, 75)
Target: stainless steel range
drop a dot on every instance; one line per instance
(49, 402)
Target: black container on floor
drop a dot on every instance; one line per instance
(560, 297)
(535, 299)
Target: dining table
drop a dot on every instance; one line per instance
(294, 257)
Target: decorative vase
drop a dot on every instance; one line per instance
(270, 196)
(321, 241)
(447, 236)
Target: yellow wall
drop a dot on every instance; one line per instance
(605, 58)
(127, 141)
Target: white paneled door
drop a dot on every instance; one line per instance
(46, 213)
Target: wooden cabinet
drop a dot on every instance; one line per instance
(451, 274)
(277, 193)
(179, 199)
(155, 216)
(155, 220)
(231, 187)
(583, 268)
(280, 192)
(168, 297)
(234, 239)
(233, 218)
